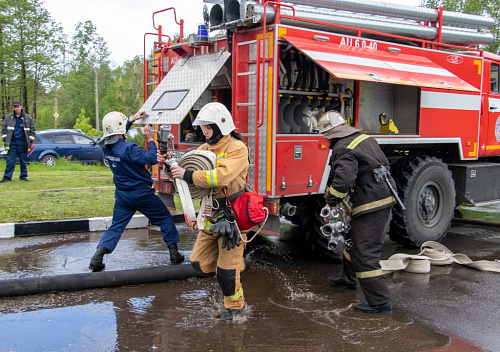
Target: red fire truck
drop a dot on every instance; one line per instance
(412, 78)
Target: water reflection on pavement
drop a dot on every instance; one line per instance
(290, 305)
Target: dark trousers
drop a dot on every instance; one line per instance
(17, 149)
(148, 203)
(363, 258)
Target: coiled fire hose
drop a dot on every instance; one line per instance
(194, 160)
(198, 160)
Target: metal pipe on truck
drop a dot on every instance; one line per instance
(244, 9)
(402, 11)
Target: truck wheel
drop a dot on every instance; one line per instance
(426, 187)
(48, 160)
(308, 221)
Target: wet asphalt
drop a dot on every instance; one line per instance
(290, 307)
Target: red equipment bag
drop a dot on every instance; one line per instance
(249, 210)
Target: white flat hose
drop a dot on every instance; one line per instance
(436, 254)
(187, 204)
(194, 160)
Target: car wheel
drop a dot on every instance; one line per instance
(49, 160)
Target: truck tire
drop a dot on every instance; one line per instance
(308, 221)
(426, 187)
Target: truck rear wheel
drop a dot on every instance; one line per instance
(426, 187)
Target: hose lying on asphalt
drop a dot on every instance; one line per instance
(86, 281)
(436, 254)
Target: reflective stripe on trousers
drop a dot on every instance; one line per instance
(227, 265)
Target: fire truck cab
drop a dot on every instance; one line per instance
(420, 88)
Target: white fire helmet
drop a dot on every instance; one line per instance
(329, 120)
(215, 113)
(114, 123)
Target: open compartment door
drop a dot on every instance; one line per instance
(182, 86)
(379, 66)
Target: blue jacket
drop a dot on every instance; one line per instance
(127, 162)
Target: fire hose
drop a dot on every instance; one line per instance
(193, 160)
(436, 254)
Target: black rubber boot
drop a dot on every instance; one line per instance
(367, 308)
(339, 281)
(175, 256)
(230, 314)
(96, 263)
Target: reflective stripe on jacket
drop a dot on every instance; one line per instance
(231, 168)
(354, 157)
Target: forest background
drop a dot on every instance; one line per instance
(51, 73)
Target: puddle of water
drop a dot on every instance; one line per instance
(289, 306)
(88, 327)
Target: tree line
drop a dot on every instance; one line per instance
(473, 7)
(50, 72)
(47, 71)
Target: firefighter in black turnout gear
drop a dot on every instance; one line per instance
(355, 159)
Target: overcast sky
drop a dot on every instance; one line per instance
(122, 23)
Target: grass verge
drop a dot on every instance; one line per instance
(67, 190)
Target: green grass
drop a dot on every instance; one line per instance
(64, 191)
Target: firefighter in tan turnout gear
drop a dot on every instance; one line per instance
(218, 250)
(355, 159)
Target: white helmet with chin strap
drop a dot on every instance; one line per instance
(218, 114)
(114, 123)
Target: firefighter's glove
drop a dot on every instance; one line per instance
(333, 202)
(227, 230)
(222, 214)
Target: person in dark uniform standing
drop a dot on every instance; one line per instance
(354, 158)
(133, 187)
(18, 132)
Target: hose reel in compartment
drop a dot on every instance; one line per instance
(306, 90)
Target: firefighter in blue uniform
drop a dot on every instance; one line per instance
(133, 187)
(356, 158)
